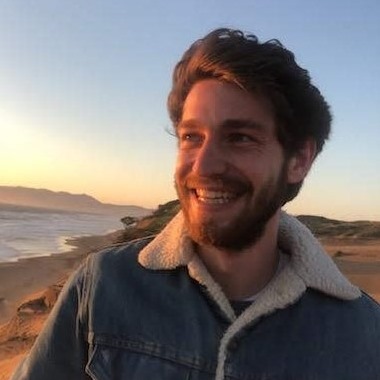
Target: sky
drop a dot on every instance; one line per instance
(83, 87)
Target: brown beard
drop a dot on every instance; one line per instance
(249, 227)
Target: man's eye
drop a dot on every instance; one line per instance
(190, 138)
(240, 138)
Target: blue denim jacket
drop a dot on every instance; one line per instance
(149, 310)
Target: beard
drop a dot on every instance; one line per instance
(244, 229)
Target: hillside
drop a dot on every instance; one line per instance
(320, 226)
(323, 228)
(151, 224)
(47, 199)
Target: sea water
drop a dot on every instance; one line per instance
(27, 232)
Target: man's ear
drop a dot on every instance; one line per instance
(300, 162)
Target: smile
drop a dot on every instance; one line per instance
(214, 197)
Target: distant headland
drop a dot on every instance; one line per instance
(64, 201)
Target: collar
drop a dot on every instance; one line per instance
(308, 266)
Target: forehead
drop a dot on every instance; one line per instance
(210, 102)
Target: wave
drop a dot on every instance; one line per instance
(26, 233)
(8, 253)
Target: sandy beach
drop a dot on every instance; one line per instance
(359, 260)
(31, 279)
(18, 280)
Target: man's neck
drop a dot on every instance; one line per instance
(243, 274)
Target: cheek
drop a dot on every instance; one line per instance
(183, 166)
(250, 168)
(269, 165)
(260, 171)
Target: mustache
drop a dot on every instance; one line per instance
(228, 183)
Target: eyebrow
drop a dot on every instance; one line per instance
(232, 124)
(242, 124)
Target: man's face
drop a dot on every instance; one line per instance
(231, 172)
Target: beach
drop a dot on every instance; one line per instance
(20, 279)
(359, 260)
(26, 281)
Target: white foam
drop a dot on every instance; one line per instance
(25, 234)
(8, 253)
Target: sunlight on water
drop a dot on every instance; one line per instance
(25, 232)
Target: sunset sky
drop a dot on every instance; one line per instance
(83, 88)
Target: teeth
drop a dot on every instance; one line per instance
(215, 197)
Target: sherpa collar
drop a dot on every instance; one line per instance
(309, 265)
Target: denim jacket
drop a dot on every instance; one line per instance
(150, 310)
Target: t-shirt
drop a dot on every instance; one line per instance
(240, 305)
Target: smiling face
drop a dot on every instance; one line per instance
(231, 174)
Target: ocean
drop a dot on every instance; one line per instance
(27, 232)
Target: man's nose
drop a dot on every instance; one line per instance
(210, 159)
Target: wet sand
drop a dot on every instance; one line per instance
(20, 279)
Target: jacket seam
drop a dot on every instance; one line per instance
(155, 350)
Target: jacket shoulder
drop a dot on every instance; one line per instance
(360, 317)
(364, 304)
(118, 254)
(370, 305)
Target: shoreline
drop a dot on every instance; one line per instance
(26, 276)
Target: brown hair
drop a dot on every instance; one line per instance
(266, 68)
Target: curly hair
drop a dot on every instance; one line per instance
(268, 69)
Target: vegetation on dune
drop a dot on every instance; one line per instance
(320, 226)
(149, 225)
(323, 227)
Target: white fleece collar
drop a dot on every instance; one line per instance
(309, 265)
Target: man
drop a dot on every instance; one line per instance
(232, 288)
